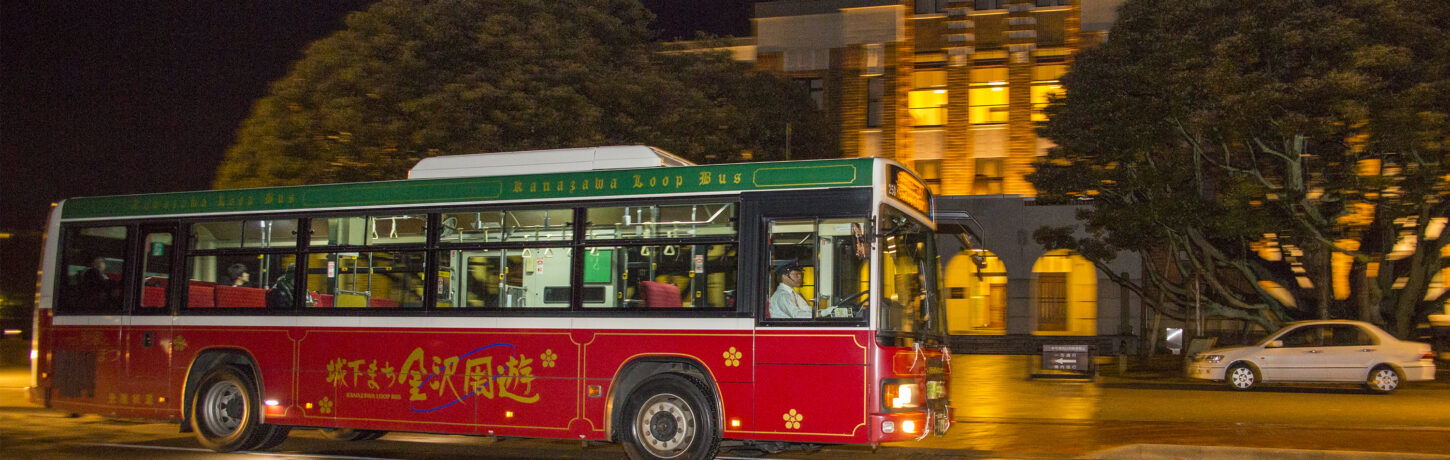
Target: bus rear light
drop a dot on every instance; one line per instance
(908, 426)
(270, 402)
(888, 427)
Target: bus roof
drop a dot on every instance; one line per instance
(656, 181)
(545, 161)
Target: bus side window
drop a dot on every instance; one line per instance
(92, 265)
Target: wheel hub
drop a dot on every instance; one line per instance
(663, 426)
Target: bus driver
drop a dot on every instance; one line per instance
(786, 302)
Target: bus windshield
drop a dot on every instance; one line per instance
(910, 303)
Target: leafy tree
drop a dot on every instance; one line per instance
(407, 80)
(1279, 160)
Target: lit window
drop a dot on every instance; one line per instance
(928, 107)
(988, 104)
(1040, 96)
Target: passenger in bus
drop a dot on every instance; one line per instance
(786, 302)
(96, 289)
(280, 295)
(239, 275)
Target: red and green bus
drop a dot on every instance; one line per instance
(596, 300)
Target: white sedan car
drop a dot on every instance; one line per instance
(1333, 351)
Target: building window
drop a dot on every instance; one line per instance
(875, 62)
(875, 91)
(988, 105)
(817, 90)
(1040, 96)
(991, 4)
(928, 107)
(930, 172)
(930, 6)
(988, 180)
(928, 101)
(1050, 2)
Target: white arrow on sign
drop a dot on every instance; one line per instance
(1064, 361)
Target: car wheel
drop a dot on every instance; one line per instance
(1242, 376)
(670, 417)
(225, 411)
(1382, 379)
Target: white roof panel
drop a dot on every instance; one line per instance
(544, 161)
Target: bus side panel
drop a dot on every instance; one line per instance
(513, 383)
(86, 363)
(724, 355)
(270, 347)
(818, 386)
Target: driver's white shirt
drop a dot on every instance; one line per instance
(786, 303)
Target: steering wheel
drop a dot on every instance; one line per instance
(856, 302)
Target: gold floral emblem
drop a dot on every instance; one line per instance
(793, 419)
(178, 344)
(326, 405)
(548, 358)
(732, 357)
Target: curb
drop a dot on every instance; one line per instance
(1173, 452)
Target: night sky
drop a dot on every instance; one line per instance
(122, 97)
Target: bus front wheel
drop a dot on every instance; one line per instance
(670, 417)
(225, 413)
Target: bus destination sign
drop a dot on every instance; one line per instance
(904, 186)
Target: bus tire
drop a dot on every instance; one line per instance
(226, 412)
(271, 436)
(351, 434)
(670, 417)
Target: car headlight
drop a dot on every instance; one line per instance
(1210, 358)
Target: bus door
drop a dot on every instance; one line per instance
(812, 293)
(148, 334)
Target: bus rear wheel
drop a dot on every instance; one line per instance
(670, 417)
(226, 413)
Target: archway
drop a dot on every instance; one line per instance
(1064, 294)
(976, 305)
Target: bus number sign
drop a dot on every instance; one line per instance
(904, 186)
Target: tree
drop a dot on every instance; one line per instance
(407, 80)
(1276, 161)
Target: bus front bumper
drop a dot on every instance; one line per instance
(908, 426)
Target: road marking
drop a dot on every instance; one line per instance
(198, 449)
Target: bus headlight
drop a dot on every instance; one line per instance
(899, 394)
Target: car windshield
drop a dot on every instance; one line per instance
(910, 305)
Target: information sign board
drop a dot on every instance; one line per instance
(1076, 358)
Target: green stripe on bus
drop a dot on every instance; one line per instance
(651, 181)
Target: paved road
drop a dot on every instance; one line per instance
(1000, 415)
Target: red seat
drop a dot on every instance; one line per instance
(200, 294)
(240, 297)
(320, 300)
(660, 295)
(153, 297)
(379, 302)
